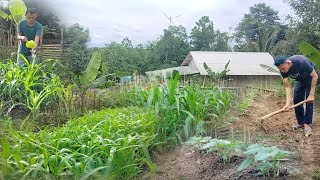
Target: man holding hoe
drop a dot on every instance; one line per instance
(301, 69)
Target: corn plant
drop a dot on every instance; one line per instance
(109, 144)
(265, 159)
(29, 86)
(246, 102)
(184, 112)
(166, 102)
(11, 86)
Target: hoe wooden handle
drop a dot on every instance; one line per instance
(279, 111)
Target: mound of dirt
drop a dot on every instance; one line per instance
(279, 128)
(185, 162)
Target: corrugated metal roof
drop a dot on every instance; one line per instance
(241, 63)
(184, 70)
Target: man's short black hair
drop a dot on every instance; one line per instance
(278, 60)
(32, 11)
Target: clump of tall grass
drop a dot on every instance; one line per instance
(112, 143)
(184, 112)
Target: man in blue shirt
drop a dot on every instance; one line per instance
(29, 29)
(301, 69)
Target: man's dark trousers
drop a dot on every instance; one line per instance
(301, 92)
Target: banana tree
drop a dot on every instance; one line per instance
(311, 52)
(314, 55)
(216, 76)
(17, 10)
(91, 72)
(89, 75)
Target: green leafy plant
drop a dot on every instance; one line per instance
(17, 10)
(246, 102)
(37, 96)
(225, 149)
(28, 87)
(215, 76)
(186, 111)
(311, 52)
(108, 144)
(91, 72)
(314, 55)
(265, 159)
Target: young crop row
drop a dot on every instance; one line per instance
(267, 160)
(109, 143)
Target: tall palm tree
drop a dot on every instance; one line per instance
(265, 41)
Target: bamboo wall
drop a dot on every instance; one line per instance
(48, 51)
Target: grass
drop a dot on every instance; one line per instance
(111, 143)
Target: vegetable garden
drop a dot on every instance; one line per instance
(72, 119)
(112, 142)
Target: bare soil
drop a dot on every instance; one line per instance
(185, 162)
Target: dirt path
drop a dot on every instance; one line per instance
(279, 127)
(187, 163)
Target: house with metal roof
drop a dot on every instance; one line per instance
(244, 67)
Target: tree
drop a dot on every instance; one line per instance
(221, 41)
(202, 35)
(127, 43)
(259, 30)
(289, 44)
(173, 47)
(77, 57)
(307, 24)
(259, 16)
(204, 38)
(117, 58)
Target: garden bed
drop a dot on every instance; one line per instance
(186, 162)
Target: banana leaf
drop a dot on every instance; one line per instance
(310, 52)
(90, 74)
(18, 10)
(270, 69)
(4, 15)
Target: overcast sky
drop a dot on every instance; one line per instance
(144, 20)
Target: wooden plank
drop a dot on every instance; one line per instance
(50, 54)
(51, 45)
(270, 90)
(51, 50)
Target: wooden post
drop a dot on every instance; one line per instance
(61, 43)
(41, 48)
(216, 130)
(245, 138)
(232, 133)
(254, 137)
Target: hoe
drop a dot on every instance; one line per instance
(281, 110)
